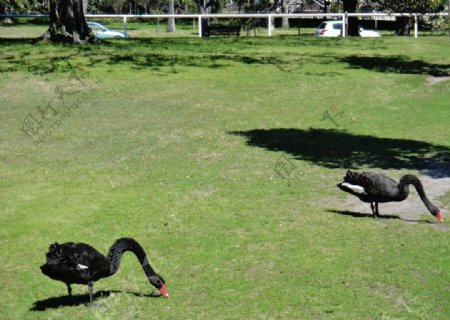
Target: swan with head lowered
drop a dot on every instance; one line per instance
(376, 187)
(79, 263)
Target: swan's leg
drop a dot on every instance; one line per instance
(91, 295)
(372, 206)
(69, 290)
(376, 209)
(91, 291)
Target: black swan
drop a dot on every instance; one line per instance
(80, 263)
(376, 187)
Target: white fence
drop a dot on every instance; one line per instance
(269, 16)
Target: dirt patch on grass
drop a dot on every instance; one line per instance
(433, 80)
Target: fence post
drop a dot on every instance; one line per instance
(269, 25)
(200, 31)
(344, 24)
(416, 26)
(125, 25)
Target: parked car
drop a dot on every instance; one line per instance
(102, 32)
(329, 29)
(368, 33)
(333, 28)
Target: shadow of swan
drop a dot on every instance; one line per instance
(82, 299)
(363, 215)
(369, 215)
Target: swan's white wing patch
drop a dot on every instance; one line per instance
(82, 267)
(355, 188)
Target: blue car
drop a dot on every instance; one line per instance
(101, 32)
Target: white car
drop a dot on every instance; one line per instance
(101, 32)
(333, 28)
(368, 33)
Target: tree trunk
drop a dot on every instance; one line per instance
(350, 7)
(67, 23)
(5, 9)
(85, 6)
(284, 20)
(202, 10)
(402, 26)
(325, 7)
(171, 21)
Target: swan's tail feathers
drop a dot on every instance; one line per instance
(352, 188)
(53, 256)
(45, 269)
(59, 257)
(50, 270)
(351, 176)
(55, 251)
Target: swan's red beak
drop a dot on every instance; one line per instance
(164, 291)
(439, 217)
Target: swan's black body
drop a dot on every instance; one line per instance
(376, 187)
(79, 263)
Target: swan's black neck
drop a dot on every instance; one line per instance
(123, 245)
(403, 187)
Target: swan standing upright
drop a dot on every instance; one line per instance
(376, 187)
(79, 263)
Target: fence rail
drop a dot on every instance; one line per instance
(269, 16)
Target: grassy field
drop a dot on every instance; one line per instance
(221, 157)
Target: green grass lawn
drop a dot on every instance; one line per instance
(183, 143)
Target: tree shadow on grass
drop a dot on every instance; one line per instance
(136, 54)
(17, 41)
(332, 148)
(155, 53)
(397, 64)
(81, 299)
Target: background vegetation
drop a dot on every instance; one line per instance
(156, 6)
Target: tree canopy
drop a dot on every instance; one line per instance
(416, 6)
(23, 6)
(158, 6)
